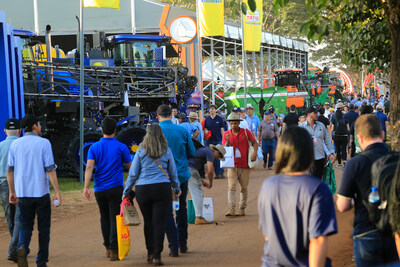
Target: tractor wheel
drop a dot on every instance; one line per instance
(73, 153)
(131, 136)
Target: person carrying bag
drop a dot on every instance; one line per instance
(153, 188)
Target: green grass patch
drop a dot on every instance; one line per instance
(71, 184)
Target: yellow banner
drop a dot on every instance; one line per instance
(211, 16)
(252, 27)
(101, 3)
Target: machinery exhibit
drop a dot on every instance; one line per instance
(149, 56)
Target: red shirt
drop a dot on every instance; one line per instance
(239, 141)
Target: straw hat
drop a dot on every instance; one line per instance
(220, 148)
(193, 115)
(234, 117)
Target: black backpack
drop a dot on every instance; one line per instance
(340, 127)
(382, 173)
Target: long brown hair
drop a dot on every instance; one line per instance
(154, 141)
(295, 151)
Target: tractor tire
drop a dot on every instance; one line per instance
(73, 152)
(131, 136)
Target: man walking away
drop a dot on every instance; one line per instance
(32, 154)
(382, 117)
(371, 247)
(291, 119)
(351, 116)
(204, 155)
(320, 136)
(239, 138)
(182, 148)
(13, 131)
(215, 124)
(268, 134)
(108, 156)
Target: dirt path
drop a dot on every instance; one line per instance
(76, 239)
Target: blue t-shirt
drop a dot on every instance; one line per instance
(181, 145)
(109, 156)
(189, 127)
(214, 125)
(351, 117)
(198, 127)
(294, 209)
(383, 118)
(356, 184)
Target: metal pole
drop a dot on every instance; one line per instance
(200, 69)
(35, 17)
(81, 81)
(133, 17)
(244, 61)
(212, 72)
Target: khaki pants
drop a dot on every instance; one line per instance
(236, 175)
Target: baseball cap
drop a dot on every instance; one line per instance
(339, 105)
(12, 124)
(379, 107)
(327, 103)
(313, 108)
(267, 112)
(249, 106)
(236, 109)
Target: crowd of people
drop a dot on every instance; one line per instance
(296, 207)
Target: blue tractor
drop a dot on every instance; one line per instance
(126, 77)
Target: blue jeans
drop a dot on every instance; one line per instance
(217, 166)
(29, 206)
(268, 148)
(177, 234)
(12, 215)
(374, 249)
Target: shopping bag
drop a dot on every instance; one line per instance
(124, 238)
(130, 214)
(329, 177)
(229, 161)
(191, 212)
(208, 209)
(260, 155)
(252, 164)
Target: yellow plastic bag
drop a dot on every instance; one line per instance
(124, 238)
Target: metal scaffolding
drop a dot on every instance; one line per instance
(223, 61)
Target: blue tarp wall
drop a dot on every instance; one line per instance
(11, 83)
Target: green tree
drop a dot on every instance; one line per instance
(371, 37)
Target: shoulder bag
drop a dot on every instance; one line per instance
(252, 164)
(172, 189)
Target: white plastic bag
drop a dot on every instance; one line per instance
(229, 161)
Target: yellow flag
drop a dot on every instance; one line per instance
(252, 27)
(211, 16)
(101, 3)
